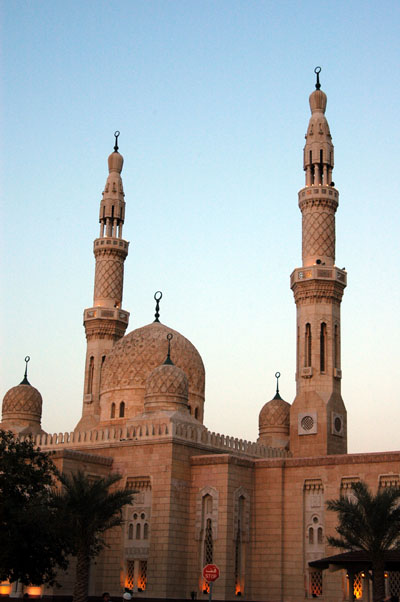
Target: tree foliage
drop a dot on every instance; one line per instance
(33, 546)
(88, 508)
(370, 523)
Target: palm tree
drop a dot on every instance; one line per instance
(87, 510)
(370, 523)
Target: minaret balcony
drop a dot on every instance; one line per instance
(326, 195)
(106, 313)
(318, 272)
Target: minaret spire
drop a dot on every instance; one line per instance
(106, 321)
(318, 287)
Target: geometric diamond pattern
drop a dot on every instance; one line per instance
(137, 354)
(275, 413)
(22, 398)
(109, 278)
(167, 379)
(319, 233)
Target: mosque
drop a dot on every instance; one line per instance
(256, 509)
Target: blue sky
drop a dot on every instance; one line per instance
(211, 98)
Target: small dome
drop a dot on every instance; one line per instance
(167, 388)
(22, 399)
(274, 423)
(318, 100)
(115, 162)
(275, 413)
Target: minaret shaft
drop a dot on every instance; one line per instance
(318, 415)
(105, 322)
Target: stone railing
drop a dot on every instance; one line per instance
(181, 431)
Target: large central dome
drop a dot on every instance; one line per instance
(130, 362)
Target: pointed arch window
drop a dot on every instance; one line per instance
(122, 409)
(103, 357)
(146, 531)
(307, 350)
(138, 531)
(208, 543)
(337, 347)
(130, 531)
(322, 348)
(90, 374)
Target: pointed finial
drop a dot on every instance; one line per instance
(168, 358)
(25, 379)
(277, 376)
(116, 134)
(317, 71)
(157, 298)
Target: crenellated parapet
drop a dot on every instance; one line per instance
(158, 431)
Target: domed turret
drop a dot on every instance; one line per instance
(22, 407)
(167, 387)
(274, 421)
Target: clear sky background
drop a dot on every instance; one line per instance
(211, 98)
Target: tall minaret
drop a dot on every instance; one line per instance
(106, 321)
(318, 423)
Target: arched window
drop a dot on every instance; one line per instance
(311, 535)
(320, 535)
(122, 409)
(337, 347)
(138, 531)
(130, 531)
(322, 348)
(101, 366)
(146, 531)
(196, 413)
(208, 543)
(307, 350)
(90, 375)
(113, 410)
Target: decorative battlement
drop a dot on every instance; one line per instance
(171, 431)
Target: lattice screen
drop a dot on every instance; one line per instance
(130, 574)
(358, 586)
(394, 583)
(142, 581)
(316, 583)
(208, 543)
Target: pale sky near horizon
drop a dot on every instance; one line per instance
(211, 99)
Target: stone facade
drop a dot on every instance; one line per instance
(257, 510)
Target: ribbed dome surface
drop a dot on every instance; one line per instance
(141, 351)
(22, 399)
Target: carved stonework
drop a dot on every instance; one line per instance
(109, 278)
(105, 329)
(213, 493)
(167, 379)
(22, 399)
(245, 518)
(314, 291)
(319, 233)
(141, 351)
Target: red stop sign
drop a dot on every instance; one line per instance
(210, 572)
